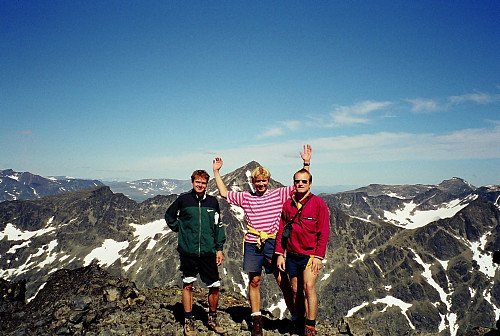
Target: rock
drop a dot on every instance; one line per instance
(356, 327)
(112, 293)
(12, 296)
(89, 301)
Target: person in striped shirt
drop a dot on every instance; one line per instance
(262, 209)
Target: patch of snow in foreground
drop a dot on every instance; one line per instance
(281, 306)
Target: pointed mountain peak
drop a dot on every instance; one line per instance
(248, 167)
(240, 179)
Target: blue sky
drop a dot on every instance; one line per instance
(392, 92)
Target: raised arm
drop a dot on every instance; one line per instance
(306, 156)
(217, 164)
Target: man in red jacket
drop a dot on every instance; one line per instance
(306, 215)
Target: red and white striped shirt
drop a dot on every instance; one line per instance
(262, 212)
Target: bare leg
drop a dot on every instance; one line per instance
(286, 289)
(213, 298)
(311, 298)
(254, 291)
(298, 293)
(187, 297)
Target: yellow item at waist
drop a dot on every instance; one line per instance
(261, 234)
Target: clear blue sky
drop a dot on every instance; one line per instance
(389, 92)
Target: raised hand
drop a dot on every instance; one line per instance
(217, 164)
(306, 155)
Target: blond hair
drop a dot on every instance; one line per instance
(261, 171)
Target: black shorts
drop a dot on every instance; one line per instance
(205, 265)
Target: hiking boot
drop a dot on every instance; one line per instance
(213, 323)
(297, 326)
(189, 328)
(309, 331)
(257, 326)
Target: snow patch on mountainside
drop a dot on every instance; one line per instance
(107, 253)
(448, 319)
(13, 233)
(410, 218)
(393, 194)
(483, 258)
(148, 231)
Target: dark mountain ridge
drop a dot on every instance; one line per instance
(399, 277)
(15, 185)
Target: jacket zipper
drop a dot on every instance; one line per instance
(199, 228)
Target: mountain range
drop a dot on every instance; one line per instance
(25, 185)
(403, 258)
(16, 185)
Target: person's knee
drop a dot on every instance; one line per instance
(213, 290)
(255, 282)
(309, 287)
(188, 286)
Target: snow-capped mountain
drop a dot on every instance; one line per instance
(402, 258)
(16, 185)
(141, 190)
(410, 206)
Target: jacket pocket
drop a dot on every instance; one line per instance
(309, 224)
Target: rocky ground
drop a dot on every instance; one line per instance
(89, 301)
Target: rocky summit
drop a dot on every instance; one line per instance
(90, 301)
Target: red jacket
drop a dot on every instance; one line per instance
(311, 228)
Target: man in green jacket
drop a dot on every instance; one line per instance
(196, 217)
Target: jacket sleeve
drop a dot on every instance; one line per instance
(220, 232)
(171, 216)
(323, 229)
(278, 248)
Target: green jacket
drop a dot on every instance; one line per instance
(197, 220)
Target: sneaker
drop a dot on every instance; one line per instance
(257, 326)
(309, 331)
(189, 328)
(213, 323)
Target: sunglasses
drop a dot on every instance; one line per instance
(303, 181)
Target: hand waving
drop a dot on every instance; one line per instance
(306, 155)
(217, 164)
